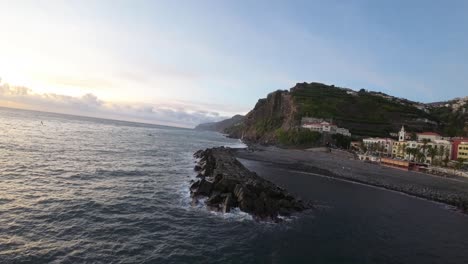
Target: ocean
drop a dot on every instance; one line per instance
(86, 190)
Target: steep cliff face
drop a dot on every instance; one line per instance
(276, 111)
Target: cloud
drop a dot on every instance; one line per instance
(173, 114)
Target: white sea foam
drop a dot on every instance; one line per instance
(235, 214)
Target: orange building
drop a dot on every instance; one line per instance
(400, 164)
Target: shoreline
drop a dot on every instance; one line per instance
(448, 191)
(452, 207)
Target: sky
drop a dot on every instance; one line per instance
(186, 62)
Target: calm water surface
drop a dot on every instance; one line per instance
(78, 189)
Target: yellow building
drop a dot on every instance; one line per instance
(399, 149)
(463, 150)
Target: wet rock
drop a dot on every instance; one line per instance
(228, 202)
(227, 184)
(198, 154)
(204, 188)
(194, 186)
(215, 199)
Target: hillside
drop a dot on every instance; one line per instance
(364, 113)
(221, 126)
(452, 116)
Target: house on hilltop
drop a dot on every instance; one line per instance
(321, 126)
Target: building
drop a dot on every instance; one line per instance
(402, 134)
(455, 144)
(321, 126)
(403, 164)
(399, 149)
(313, 126)
(383, 145)
(430, 145)
(329, 127)
(462, 151)
(431, 136)
(443, 149)
(400, 164)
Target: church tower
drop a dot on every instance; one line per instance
(402, 134)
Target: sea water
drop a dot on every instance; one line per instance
(86, 190)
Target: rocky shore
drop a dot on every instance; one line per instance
(226, 184)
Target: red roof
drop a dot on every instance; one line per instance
(459, 140)
(429, 133)
(319, 123)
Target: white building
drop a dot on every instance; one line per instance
(431, 136)
(321, 126)
(329, 127)
(439, 144)
(402, 134)
(385, 144)
(313, 126)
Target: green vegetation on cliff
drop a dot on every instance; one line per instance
(298, 137)
(453, 123)
(364, 113)
(306, 138)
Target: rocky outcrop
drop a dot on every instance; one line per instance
(275, 111)
(228, 184)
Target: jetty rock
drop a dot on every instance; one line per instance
(228, 184)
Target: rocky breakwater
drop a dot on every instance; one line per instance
(227, 184)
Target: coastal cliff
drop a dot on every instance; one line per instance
(228, 184)
(221, 126)
(364, 113)
(276, 111)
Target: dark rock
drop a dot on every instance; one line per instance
(198, 154)
(215, 199)
(228, 202)
(227, 184)
(238, 192)
(194, 186)
(204, 188)
(197, 168)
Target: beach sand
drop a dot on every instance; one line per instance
(342, 165)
